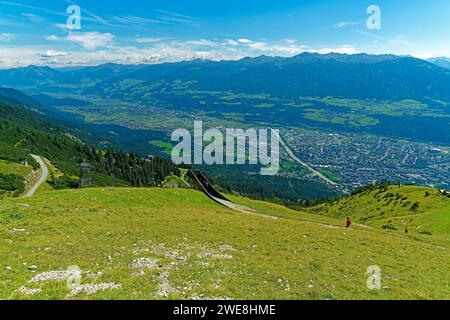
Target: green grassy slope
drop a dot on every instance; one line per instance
(423, 211)
(7, 167)
(12, 177)
(160, 243)
(284, 212)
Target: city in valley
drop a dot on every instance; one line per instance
(354, 160)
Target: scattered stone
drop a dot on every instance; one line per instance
(28, 291)
(94, 275)
(140, 273)
(90, 289)
(18, 230)
(217, 285)
(145, 263)
(59, 275)
(137, 250)
(202, 297)
(203, 264)
(164, 288)
(171, 254)
(159, 250)
(32, 268)
(227, 247)
(215, 256)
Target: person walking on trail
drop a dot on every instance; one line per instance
(349, 222)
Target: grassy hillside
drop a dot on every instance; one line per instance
(421, 211)
(12, 177)
(161, 243)
(7, 167)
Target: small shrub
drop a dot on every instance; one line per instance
(389, 226)
(12, 182)
(415, 206)
(315, 266)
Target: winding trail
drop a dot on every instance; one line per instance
(42, 179)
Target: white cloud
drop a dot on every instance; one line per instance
(345, 49)
(283, 47)
(6, 37)
(54, 53)
(259, 46)
(135, 20)
(231, 42)
(88, 40)
(91, 40)
(11, 22)
(61, 26)
(99, 52)
(400, 40)
(33, 17)
(175, 17)
(202, 43)
(18, 56)
(94, 17)
(290, 41)
(344, 24)
(52, 38)
(150, 40)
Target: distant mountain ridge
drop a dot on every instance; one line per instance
(388, 77)
(359, 76)
(443, 62)
(40, 76)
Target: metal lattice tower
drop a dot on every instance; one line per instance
(85, 175)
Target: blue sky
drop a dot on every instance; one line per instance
(136, 31)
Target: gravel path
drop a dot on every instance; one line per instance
(42, 179)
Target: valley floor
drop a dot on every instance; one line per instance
(177, 244)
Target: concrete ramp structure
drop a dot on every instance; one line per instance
(205, 185)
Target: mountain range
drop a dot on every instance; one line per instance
(308, 74)
(441, 61)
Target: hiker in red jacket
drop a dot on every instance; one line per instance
(349, 222)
